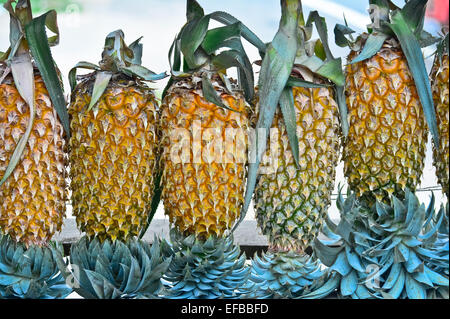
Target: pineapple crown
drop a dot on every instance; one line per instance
(30, 45)
(394, 26)
(117, 59)
(212, 51)
(289, 275)
(115, 270)
(203, 269)
(21, 19)
(401, 240)
(30, 272)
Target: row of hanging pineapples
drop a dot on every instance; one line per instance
(119, 145)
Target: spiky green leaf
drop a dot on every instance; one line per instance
(275, 70)
(102, 80)
(287, 106)
(416, 64)
(246, 33)
(210, 93)
(40, 50)
(372, 46)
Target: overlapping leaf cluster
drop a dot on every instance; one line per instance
(199, 269)
(30, 273)
(387, 252)
(289, 275)
(213, 50)
(115, 270)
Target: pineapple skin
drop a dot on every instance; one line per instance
(440, 89)
(32, 200)
(291, 202)
(203, 194)
(113, 152)
(385, 149)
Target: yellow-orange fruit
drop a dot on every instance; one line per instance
(32, 200)
(203, 184)
(112, 158)
(385, 149)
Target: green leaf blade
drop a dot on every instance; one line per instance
(287, 106)
(416, 63)
(40, 50)
(210, 93)
(102, 80)
(275, 71)
(139, 71)
(247, 34)
(215, 38)
(372, 46)
(191, 40)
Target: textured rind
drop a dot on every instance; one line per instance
(32, 200)
(291, 201)
(440, 87)
(112, 158)
(385, 149)
(203, 193)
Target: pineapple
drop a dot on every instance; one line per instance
(204, 118)
(113, 147)
(385, 149)
(293, 193)
(33, 198)
(33, 128)
(439, 77)
(205, 197)
(203, 168)
(291, 202)
(113, 151)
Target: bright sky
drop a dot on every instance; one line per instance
(83, 32)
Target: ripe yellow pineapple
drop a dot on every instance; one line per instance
(113, 146)
(203, 193)
(34, 124)
(389, 100)
(291, 202)
(440, 96)
(33, 128)
(385, 149)
(204, 120)
(32, 199)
